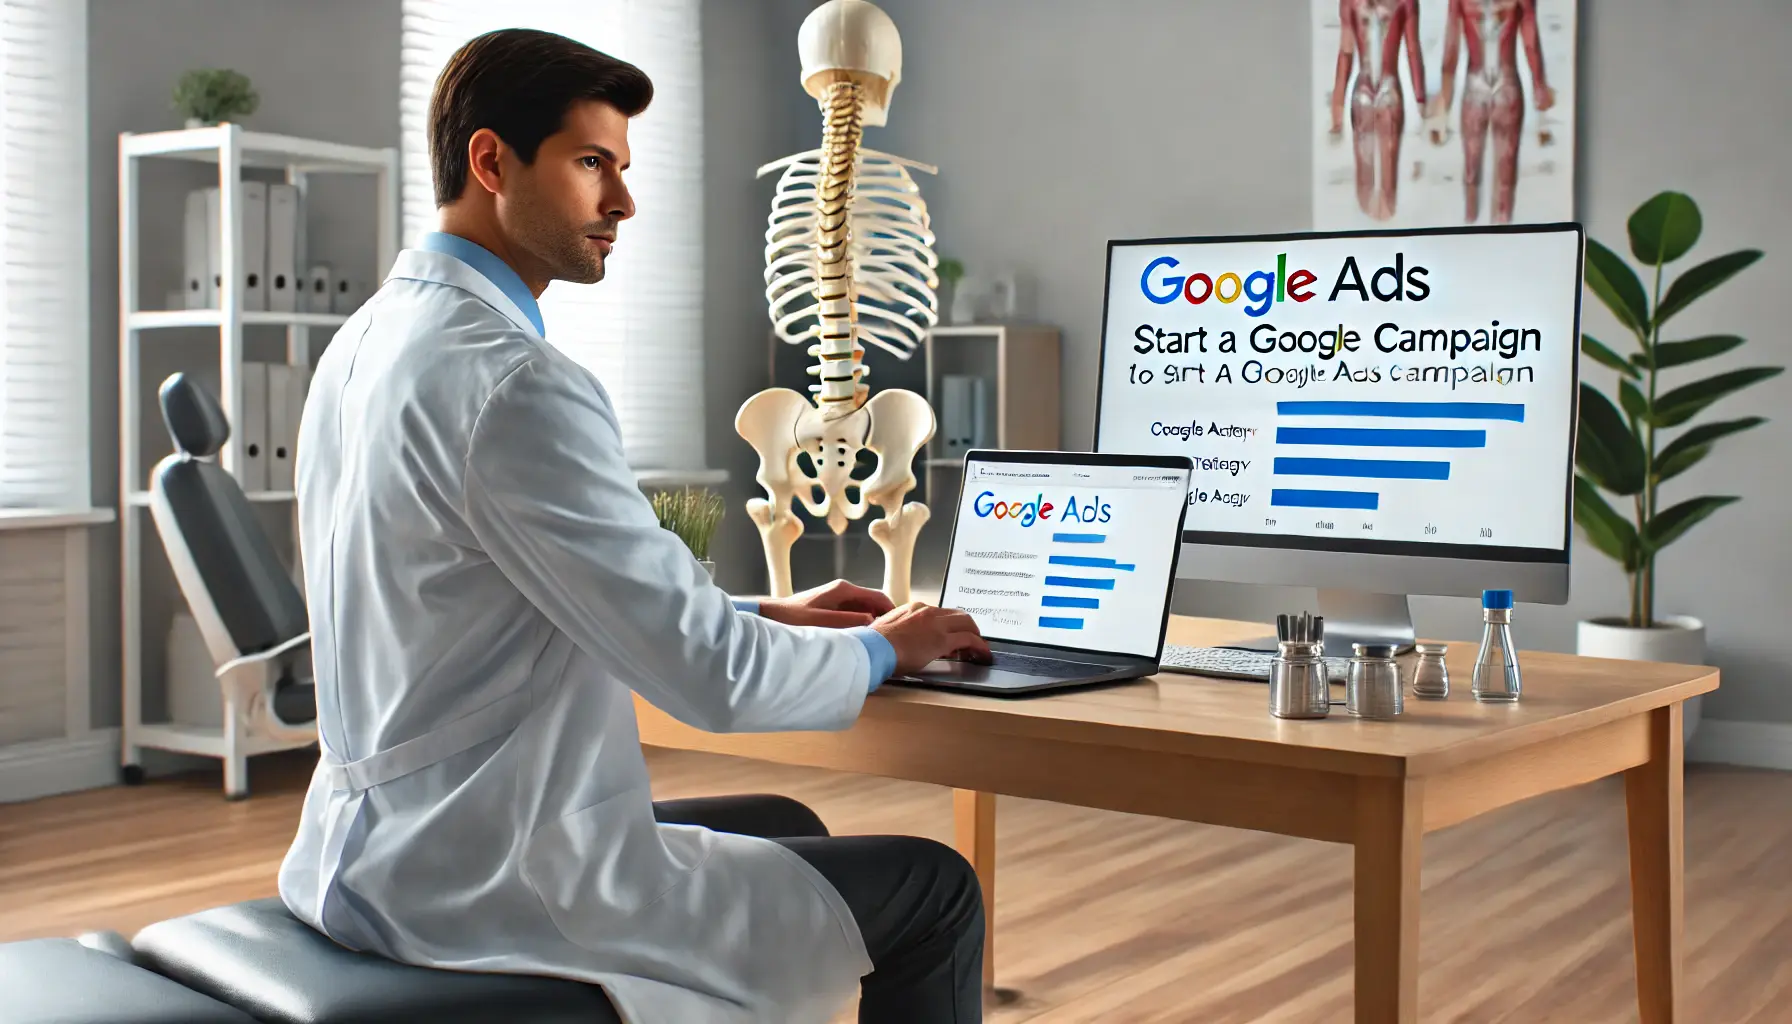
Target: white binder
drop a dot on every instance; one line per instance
(346, 295)
(253, 425)
(286, 399)
(255, 246)
(317, 289)
(214, 273)
(283, 248)
(196, 290)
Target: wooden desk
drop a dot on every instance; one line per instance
(1208, 750)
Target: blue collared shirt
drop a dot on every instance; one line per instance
(495, 270)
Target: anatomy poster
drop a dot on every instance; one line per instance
(1440, 113)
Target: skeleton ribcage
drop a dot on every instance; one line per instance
(892, 252)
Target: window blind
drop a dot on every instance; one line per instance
(641, 328)
(44, 342)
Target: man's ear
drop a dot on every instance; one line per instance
(484, 160)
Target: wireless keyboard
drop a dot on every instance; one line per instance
(1226, 663)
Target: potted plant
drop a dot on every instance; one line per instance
(951, 272)
(1623, 448)
(207, 96)
(693, 515)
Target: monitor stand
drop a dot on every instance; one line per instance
(1354, 617)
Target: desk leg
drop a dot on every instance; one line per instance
(974, 825)
(1653, 793)
(1390, 822)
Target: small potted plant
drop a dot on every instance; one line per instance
(1622, 448)
(207, 96)
(693, 514)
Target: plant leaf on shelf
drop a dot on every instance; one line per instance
(1685, 451)
(1635, 405)
(1617, 286)
(1591, 346)
(1698, 280)
(1605, 448)
(1610, 532)
(1664, 228)
(1668, 525)
(1679, 353)
(1685, 402)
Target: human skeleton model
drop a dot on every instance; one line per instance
(848, 231)
(1371, 33)
(1492, 96)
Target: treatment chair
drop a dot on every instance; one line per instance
(248, 610)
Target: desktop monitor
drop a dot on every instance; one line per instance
(1374, 414)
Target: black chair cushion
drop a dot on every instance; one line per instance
(258, 957)
(193, 417)
(60, 981)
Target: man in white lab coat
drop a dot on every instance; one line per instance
(487, 587)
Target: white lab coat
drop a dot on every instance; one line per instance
(487, 585)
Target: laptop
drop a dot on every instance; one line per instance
(1067, 561)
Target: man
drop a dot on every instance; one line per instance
(488, 586)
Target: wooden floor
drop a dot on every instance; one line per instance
(1102, 917)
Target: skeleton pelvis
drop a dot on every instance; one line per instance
(780, 423)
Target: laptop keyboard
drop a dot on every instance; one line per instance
(1029, 665)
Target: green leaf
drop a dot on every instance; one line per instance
(1701, 279)
(1610, 532)
(1662, 229)
(1605, 356)
(1635, 405)
(1616, 284)
(1669, 524)
(1605, 448)
(1687, 449)
(1685, 402)
(1679, 353)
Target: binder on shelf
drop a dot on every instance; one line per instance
(286, 400)
(345, 295)
(317, 289)
(255, 246)
(214, 271)
(283, 248)
(964, 413)
(196, 254)
(254, 426)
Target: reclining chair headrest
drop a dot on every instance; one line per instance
(193, 417)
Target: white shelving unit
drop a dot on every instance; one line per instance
(232, 149)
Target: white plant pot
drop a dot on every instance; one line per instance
(1680, 640)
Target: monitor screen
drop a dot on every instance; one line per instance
(1067, 554)
(1385, 392)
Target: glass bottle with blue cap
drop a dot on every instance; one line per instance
(1496, 667)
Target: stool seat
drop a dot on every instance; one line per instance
(258, 957)
(60, 981)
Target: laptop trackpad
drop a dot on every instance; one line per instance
(971, 672)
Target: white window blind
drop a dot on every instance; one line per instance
(44, 429)
(641, 328)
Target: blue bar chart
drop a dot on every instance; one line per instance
(1065, 589)
(1414, 439)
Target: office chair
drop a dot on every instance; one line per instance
(249, 612)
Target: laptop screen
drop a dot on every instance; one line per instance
(1067, 554)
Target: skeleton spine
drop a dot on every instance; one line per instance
(838, 367)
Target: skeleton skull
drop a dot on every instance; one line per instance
(858, 39)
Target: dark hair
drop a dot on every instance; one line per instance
(519, 83)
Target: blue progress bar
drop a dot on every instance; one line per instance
(1054, 601)
(1375, 469)
(1079, 538)
(1369, 437)
(1513, 411)
(1079, 581)
(1052, 622)
(1324, 499)
(1090, 563)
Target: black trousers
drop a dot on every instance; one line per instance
(917, 903)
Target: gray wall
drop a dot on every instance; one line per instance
(1058, 124)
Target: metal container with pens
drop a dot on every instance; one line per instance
(1298, 684)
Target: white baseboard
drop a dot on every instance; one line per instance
(1751, 744)
(32, 770)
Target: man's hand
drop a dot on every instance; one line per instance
(836, 605)
(921, 633)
